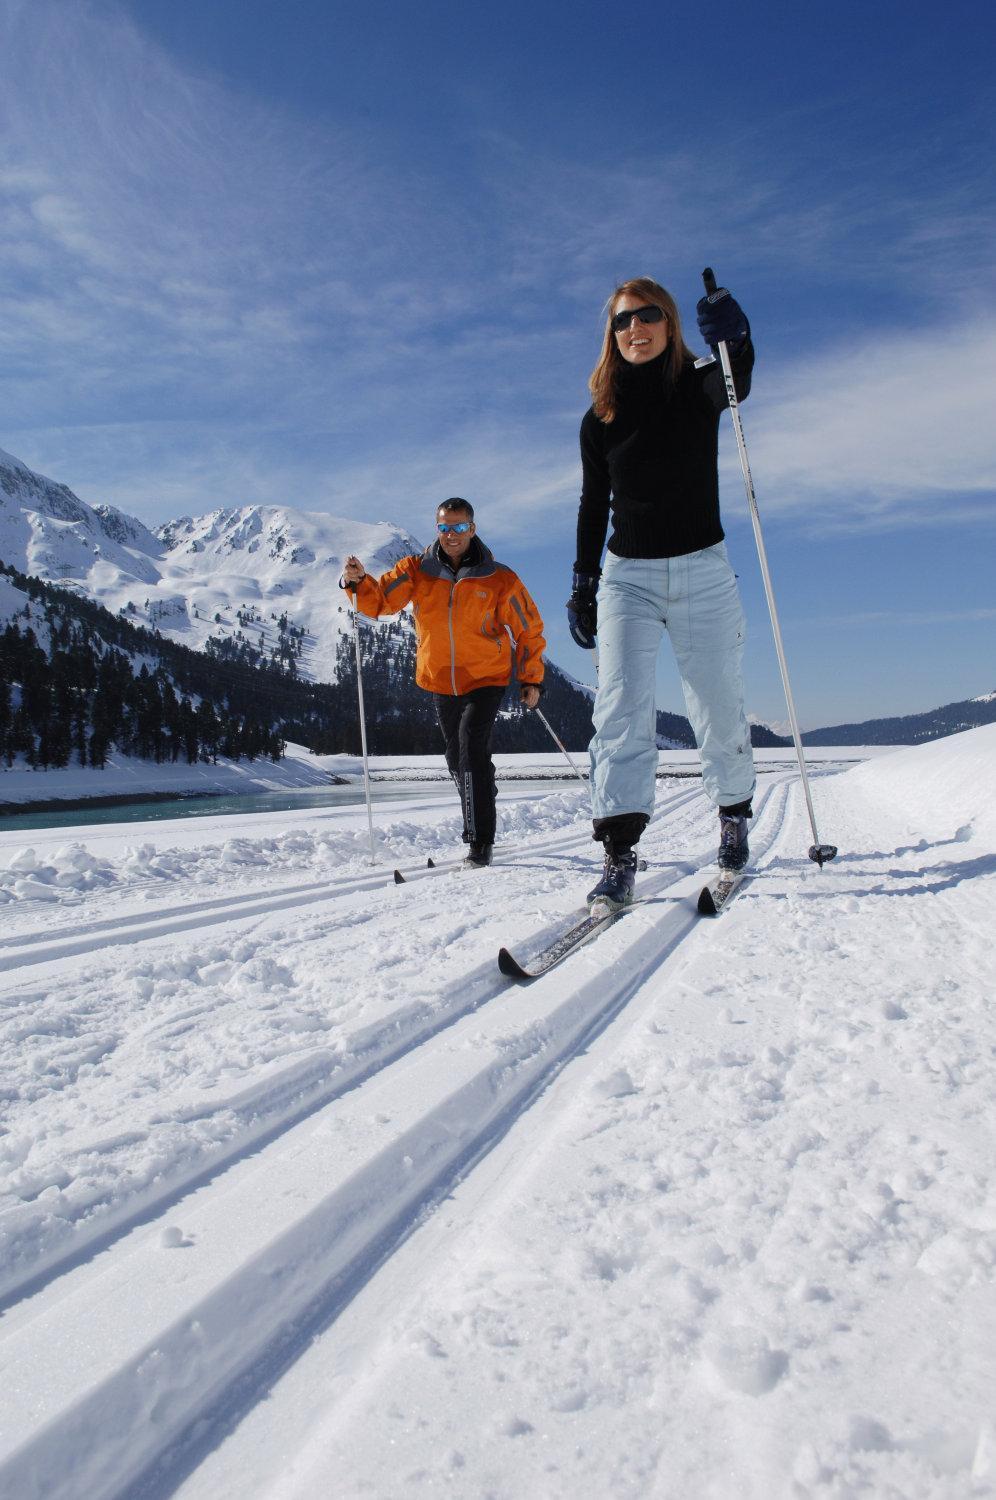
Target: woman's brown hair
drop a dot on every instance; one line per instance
(603, 383)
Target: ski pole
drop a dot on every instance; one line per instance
(817, 851)
(557, 741)
(363, 722)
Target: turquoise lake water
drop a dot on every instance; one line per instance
(164, 809)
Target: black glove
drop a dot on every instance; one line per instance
(721, 320)
(582, 612)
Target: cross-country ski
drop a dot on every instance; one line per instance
(718, 894)
(587, 926)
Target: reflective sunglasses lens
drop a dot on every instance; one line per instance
(645, 314)
(458, 526)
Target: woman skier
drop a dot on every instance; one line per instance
(649, 448)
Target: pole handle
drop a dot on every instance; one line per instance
(709, 281)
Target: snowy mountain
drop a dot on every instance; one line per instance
(211, 577)
(47, 531)
(262, 580)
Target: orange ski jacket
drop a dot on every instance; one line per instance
(463, 620)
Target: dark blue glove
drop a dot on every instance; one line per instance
(721, 320)
(582, 611)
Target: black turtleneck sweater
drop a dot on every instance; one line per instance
(656, 462)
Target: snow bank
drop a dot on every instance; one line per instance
(940, 787)
(124, 776)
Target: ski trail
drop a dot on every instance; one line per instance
(259, 1113)
(21, 950)
(242, 1119)
(309, 1220)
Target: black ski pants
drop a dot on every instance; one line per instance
(467, 720)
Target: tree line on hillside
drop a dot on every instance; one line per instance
(66, 695)
(77, 681)
(76, 702)
(909, 729)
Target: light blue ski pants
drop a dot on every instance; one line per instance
(696, 600)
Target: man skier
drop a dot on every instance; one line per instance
(465, 607)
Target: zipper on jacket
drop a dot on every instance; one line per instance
(452, 641)
(449, 620)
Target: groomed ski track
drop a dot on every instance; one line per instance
(297, 1209)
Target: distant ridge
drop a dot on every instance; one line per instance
(910, 729)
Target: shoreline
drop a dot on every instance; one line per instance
(377, 778)
(303, 774)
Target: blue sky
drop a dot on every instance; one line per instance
(354, 260)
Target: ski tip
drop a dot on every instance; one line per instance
(399, 879)
(706, 905)
(510, 966)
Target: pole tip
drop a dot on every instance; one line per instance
(821, 853)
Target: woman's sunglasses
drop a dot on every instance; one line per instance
(458, 526)
(621, 320)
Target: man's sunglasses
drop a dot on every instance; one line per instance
(458, 526)
(621, 320)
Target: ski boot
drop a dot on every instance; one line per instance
(733, 848)
(478, 856)
(618, 878)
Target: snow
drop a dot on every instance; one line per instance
(126, 776)
(928, 786)
(299, 1197)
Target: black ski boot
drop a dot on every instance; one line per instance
(618, 877)
(478, 856)
(733, 848)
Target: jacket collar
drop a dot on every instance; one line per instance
(477, 562)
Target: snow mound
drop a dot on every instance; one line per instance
(948, 785)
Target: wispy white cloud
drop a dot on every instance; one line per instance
(895, 431)
(162, 221)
